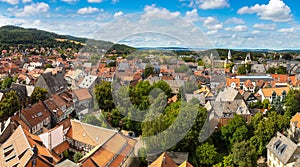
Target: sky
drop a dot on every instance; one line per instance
(265, 24)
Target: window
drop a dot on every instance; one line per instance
(283, 95)
(273, 96)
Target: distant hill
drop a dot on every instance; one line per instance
(24, 38)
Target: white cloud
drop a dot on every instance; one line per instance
(95, 1)
(262, 26)
(69, 1)
(26, 1)
(12, 2)
(255, 32)
(212, 32)
(286, 30)
(235, 20)
(275, 10)
(87, 10)
(239, 28)
(209, 4)
(115, 1)
(118, 14)
(152, 12)
(212, 23)
(33, 9)
(192, 15)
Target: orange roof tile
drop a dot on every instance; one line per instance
(89, 134)
(163, 161)
(296, 120)
(36, 113)
(82, 94)
(229, 81)
(268, 91)
(61, 148)
(248, 84)
(185, 164)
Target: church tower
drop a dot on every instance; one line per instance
(229, 55)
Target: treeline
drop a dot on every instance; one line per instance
(21, 38)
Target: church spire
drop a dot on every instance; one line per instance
(229, 55)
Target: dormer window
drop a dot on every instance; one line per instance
(276, 144)
(273, 95)
(283, 94)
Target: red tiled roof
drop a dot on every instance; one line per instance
(248, 84)
(61, 148)
(36, 113)
(296, 120)
(229, 81)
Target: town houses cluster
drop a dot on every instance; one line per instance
(41, 134)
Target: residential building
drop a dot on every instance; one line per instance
(170, 159)
(54, 83)
(84, 137)
(116, 151)
(272, 94)
(282, 152)
(83, 100)
(36, 117)
(25, 149)
(258, 69)
(229, 94)
(59, 106)
(248, 86)
(89, 82)
(233, 82)
(224, 111)
(294, 131)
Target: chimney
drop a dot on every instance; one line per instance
(34, 156)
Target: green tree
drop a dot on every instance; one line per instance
(265, 129)
(271, 70)
(266, 103)
(244, 154)
(38, 94)
(66, 154)
(77, 156)
(9, 104)
(228, 161)
(142, 153)
(91, 119)
(242, 69)
(235, 131)
(163, 86)
(149, 70)
(281, 70)
(292, 101)
(104, 96)
(200, 63)
(48, 66)
(206, 154)
(6, 83)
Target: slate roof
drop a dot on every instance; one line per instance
(228, 94)
(55, 82)
(222, 108)
(283, 148)
(88, 81)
